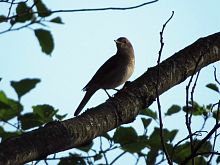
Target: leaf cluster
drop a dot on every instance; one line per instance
(146, 145)
(28, 15)
(11, 111)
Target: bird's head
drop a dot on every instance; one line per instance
(123, 43)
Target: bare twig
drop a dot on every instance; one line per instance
(61, 11)
(106, 160)
(15, 29)
(86, 10)
(215, 136)
(197, 133)
(9, 10)
(216, 79)
(5, 121)
(158, 100)
(199, 145)
(117, 157)
(188, 116)
(11, 2)
(138, 158)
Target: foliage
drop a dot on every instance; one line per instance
(35, 15)
(12, 111)
(146, 145)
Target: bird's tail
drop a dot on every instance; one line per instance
(84, 101)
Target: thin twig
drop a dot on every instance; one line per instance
(86, 10)
(15, 29)
(188, 116)
(7, 1)
(10, 7)
(157, 93)
(138, 158)
(197, 133)
(117, 157)
(199, 145)
(65, 11)
(215, 136)
(216, 79)
(9, 124)
(106, 160)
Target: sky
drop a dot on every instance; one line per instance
(86, 40)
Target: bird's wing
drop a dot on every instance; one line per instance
(110, 65)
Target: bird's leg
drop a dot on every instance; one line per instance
(116, 112)
(116, 89)
(107, 94)
(127, 83)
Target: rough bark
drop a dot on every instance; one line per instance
(122, 108)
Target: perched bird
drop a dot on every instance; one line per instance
(114, 72)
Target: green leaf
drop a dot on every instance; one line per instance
(5, 135)
(45, 40)
(2, 18)
(152, 156)
(24, 86)
(24, 13)
(146, 122)
(213, 87)
(136, 146)
(86, 147)
(107, 136)
(97, 157)
(170, 135)
(125, 135)
(181, 152)
(45, 112)
(216, 115)
(72, 159)
(129, 140)
(43, 11)
(218, 159)
(29, 120)
(154, 139)
(60, 117)
(195, 109)
(150, 113)
(57, 20)
(173, 109)
(206, 147)
(8, 108)
(200, 160)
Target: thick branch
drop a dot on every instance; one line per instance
(123, 108)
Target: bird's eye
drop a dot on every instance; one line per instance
(124, 41)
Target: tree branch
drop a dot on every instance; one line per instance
(83, 10)
(59, 136)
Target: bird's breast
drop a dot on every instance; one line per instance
(119, 75)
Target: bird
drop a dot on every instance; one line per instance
(113, 73)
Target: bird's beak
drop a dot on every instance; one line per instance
(116, 41)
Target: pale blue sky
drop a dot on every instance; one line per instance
(85, 42)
